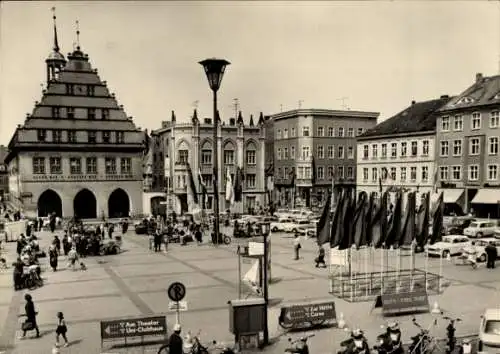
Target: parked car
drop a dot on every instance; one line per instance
(308, 230)
(478, 229)
(288, 226)
(449, 245)
(458, 224)
(281, 225)
(481, 247)
(489, 331)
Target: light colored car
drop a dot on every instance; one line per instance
(308, 230)
(489, 331)
(481, 247)
(449, 245)
(281, 225)
(478, 228)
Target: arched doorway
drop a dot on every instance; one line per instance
(118, 204)
(49, 202)
(157, 208)
(85, 205)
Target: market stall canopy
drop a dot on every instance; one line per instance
(450, 195)
(487, 196)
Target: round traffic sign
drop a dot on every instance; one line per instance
(176, 291)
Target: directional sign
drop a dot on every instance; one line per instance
(134, 327)
(308, 313)
(176, 291)
(178, 306)
(404, 303)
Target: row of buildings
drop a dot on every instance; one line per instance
(79, 154)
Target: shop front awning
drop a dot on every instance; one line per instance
(487, 196)
(451, 195)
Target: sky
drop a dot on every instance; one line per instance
(378, 55)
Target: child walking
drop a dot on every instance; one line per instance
(61, 329)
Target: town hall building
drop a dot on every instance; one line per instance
(78, 153)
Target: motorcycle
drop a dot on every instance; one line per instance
(355, 345)
(420, 342)
(299, 346)
(389, 342)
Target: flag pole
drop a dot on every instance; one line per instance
(399, 270)
(412, 260)
(381, 270)
(350, 273)
(367, 255)
(426, 267)
(440, 272)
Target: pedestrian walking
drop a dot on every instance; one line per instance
(30, 313)
(296, 247)
(61, 329)
(320, 260)
(53, 254)
(491, 255)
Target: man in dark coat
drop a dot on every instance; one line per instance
(175, 342)
(491, 255)
(30, 314)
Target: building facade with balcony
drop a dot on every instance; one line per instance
(77, 153)
(175, 145)
(467, 153)
(327, 135)
(404, 146)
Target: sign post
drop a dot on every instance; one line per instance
(133, 327)
(177, 292)
(307, 315)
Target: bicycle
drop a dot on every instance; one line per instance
(424, 342)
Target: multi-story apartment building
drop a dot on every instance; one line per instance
(175, 145)
(329, 136)
(4, 175)
(467, 153)
(77, 153)
(402, 145)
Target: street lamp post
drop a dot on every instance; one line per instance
(266, 229)
(214, 69)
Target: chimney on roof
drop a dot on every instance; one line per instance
(445, 96)
(413, 102)
(479, 77)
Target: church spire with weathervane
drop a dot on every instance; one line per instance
(55, 61)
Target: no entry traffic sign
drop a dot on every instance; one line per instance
(176, 291)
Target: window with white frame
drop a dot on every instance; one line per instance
(278, 155)
(292, 152)
(493, 145)
(285, 133)
(278, 134)
(350, 172)
(404, 148)
(206, 156)
(292, 132)
(444, 148)
(425, 147)
(350, 152)
(251, 157)
(476, 121)
(330, 172)
(321, 131)
(38, 165)
(445, 124)
(341, 152)
(75, 165)
(305, 152)
(321, 152)
(300, 173)
(458, 123)
(321, 172)
(374, 151)
(350, 132)
(250, 180)
(413, 173)
(341, 132)
(425, 173)
(340, 171)
(474, 146)
(305, 131)
(384, 151)
(55, 165)
(365, 152)
(414, 148)
(374, 174)
(443, 173)
(473, 172)
(331, 152)
(394, 150)
(110, 165)
(228, 157)
(402, 174)
(307, 172)
(457, 147)
(331, 132)
(91, 164)
(126, 166)
(393, 173)
(285, 153)
(494, 119)
(492, 172)
(456, 173)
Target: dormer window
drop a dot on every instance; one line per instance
(465, 100)
(120, 137)
(41, 134)
(92, 138)
(105, 113)
(90, 90)
(91, 113)
(71, 112)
